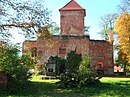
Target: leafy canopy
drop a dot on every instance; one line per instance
(14, 66)
(122, 27)
(29, 16)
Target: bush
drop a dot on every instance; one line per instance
(87, 75)
(60, 65)
(14, 66)
(68, 80)
(73, 61)
(70, 77)
(89, 78)
(79, 73)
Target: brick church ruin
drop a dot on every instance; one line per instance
(72, 37)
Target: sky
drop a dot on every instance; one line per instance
(94, 10)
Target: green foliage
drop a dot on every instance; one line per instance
(7, 57)
(14, 66)
(78, 72)
(87, 75)
(70, 77)
(68, 80)
(109, 87)
(72, 62)
(84, 69)
(26, 61)
(85, 64)
(60, 65)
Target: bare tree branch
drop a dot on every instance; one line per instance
(27, 15)
(106, 24)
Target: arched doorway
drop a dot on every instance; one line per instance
(100, 70)
(100, 64)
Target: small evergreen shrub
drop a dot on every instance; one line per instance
(60, 65)
(78, 72)
(87, 75)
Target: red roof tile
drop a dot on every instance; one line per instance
(72, 5)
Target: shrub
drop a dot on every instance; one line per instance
(79, 73)
(72, 62)
(60, 65)
(87, 75)
(14, 66)
(68, 80)
(70, 77)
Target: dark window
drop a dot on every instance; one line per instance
(62, 50)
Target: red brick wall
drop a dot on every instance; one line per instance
(101, 51)
(28, 45)
(67, 44)
(81, 44)
(98, 50)
(47, 49)
(72, 18)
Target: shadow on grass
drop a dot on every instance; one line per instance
(45, 89)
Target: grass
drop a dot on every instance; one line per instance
(109, 87)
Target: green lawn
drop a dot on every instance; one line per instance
(110, 87)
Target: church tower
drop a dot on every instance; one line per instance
(72, 19)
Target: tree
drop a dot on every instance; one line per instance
(60, 65)
(70, 77)
(72, 62)
(124, 6)
(123, 60)
(30, 16)
(78, 72)
(87, 75)
(122, 27)
(107, 24)
(14, 67)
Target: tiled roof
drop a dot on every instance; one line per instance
(72, 5)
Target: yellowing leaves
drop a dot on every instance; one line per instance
(122, 24)
(122, 27)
